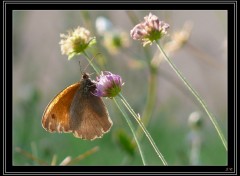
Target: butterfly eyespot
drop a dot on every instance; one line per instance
(53, 116)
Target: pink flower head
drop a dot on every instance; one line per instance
(150, 30)
(108, 85)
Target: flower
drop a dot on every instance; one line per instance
(195, 120)
(108, 85)
(115, 40)
(75, 42)
(150, 30)
(179, 38)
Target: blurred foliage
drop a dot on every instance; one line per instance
(125, 142)
(40, 72)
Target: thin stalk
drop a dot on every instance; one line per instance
(213, 120)
(151, 99)
(152, 85)
(144, 129)
(129, 122)
(131, 127)
(83, 156)
(30, 156)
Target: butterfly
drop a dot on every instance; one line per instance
(75, 109)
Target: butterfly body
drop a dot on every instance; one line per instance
(77, 110)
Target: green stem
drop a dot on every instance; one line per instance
(143, 128)
(151, 98)
(151, 92)
(124, 114)
(129, 122)
(213, 120)
(131, 127)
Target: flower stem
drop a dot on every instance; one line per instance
(151, 99)
(143, 128)
(129, 122)
(151, 92)
(213, 120)
(122, 111)
(131, 127)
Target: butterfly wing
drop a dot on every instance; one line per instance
(89, 116)
(56, 115)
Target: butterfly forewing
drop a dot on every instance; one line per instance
(56, 115)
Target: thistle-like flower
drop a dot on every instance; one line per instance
(75, 42)
(150, 30)
(108, 85)
(179, 38)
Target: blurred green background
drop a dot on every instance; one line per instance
(40, 72)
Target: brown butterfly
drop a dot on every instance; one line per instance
(77, 110)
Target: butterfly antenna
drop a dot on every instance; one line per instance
(91, 60)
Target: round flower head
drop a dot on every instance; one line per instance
(150, 30)
(108, 85)
(195, 120)
(75, 41)
(115, 40)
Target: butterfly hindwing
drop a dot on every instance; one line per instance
(89, 116)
